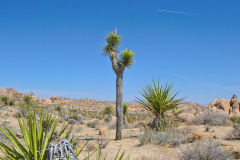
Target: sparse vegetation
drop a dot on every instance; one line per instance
(4, 99)
(205, 150)
(125, 112)
(93, 124)
(37, 137)
(170, 136)
(108, 110)
(58, 108)
(234, 133)
(11, 102)
(235, 119)
(214, 118)
(27, 99)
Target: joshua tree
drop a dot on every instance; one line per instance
(119, 63)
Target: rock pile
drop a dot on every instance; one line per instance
(231, 107)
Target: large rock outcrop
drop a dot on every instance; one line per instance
(188, 110)
(231, 107)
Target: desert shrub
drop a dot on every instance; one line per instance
(91, 114)
(112, 125)
(205, 150)
(235, 119)
(160, 124)
(27, 99)
(125, 111)
(176, 111)
(4, 99)
(125, 108)
(58, 108)
(234, 133)
(102, 142)
(136, 117)
(214, 118)
(108, 110)
(195, 136)
(78, 129)
(173, 137)
(74, 116)
(158, 99)
(93, 124)
(91, 146)
(11, 102)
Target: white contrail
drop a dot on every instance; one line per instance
(170, 11)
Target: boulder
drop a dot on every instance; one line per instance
(234, 105)
(231, 107)
(220, 104)
(186, 117)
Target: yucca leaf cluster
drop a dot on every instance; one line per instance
(126, 56)
(37, 132)
(158, 99)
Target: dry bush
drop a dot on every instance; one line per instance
(173, 137)
(93, 124)
(234, 133)
(214, 118)
(205, 150)
(102, 142)
(195, 136)
(78, 129)
(91, 146)
(112, 125)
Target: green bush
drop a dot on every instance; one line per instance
(108, 110)
(74, 116)
(4, 99)
(125, 108)
(58, 109)
(11, 102)
(27, 99)
(235, 119)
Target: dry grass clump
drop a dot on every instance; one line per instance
(195, 136)
(205, 150)
(234, 133)
(214, 118)
(93, 124)
(173, 137)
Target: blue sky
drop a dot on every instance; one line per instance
(54, 47)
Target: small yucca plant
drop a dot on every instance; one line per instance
(158, 99)
(37, 135)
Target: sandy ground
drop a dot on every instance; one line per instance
(130, 144)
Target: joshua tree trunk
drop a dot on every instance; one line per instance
(119, 108)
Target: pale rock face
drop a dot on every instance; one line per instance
(235, 105)
(231, 107)
(186, 117)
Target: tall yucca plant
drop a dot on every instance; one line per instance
(36, 137)
(158, 99)
(120, 61)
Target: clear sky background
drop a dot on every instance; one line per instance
(53, 47)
